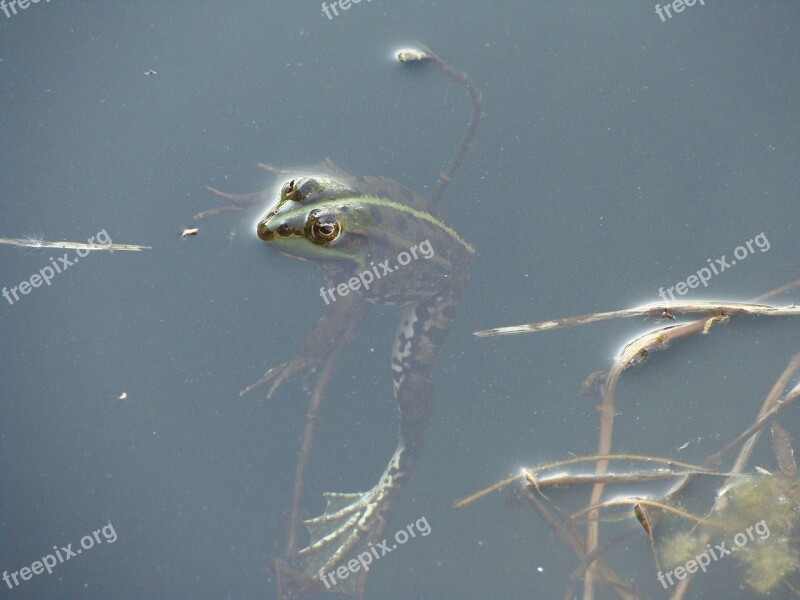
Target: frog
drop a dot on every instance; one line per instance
(356, 229)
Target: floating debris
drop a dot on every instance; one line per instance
(150, 72)
(409, 55)
(29, 243)
(595, 384)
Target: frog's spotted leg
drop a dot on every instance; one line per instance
(355, 523)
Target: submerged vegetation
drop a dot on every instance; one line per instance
(752, 514)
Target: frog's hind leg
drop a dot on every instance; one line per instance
(352, 524)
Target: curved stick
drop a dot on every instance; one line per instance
(460, 78)
(311, 426)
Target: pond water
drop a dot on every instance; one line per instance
(621, 152)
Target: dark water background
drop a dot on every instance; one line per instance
(617, 154)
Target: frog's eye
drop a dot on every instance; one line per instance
(299, 190)
(323, 230)
(289, 191)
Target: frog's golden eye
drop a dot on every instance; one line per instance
(323, 230)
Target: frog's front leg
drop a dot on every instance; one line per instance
(238, 202)
(340, 319)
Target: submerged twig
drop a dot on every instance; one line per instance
(569, 536)
(460, 78)
(569, 479)
(635, 353)
(310, 428)
(668, 310)
(531, 474)
(29, 243)
(764, 417)
(591, 510)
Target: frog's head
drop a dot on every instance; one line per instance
(314, 219)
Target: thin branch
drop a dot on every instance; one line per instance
(30, 243)
(669, 310)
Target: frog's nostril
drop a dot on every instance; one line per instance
(264, 233)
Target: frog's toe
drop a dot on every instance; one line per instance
(238, 202)
(215, 211)
(280, 374)
(270, 168)
(276, 373)
(329, 165)
(237, 199)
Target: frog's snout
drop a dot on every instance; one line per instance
(264, 233)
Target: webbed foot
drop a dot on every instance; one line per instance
(352, 528)
(336, 535)
(345, 531)
(293, 582)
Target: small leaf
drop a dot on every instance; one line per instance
(784, 453)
